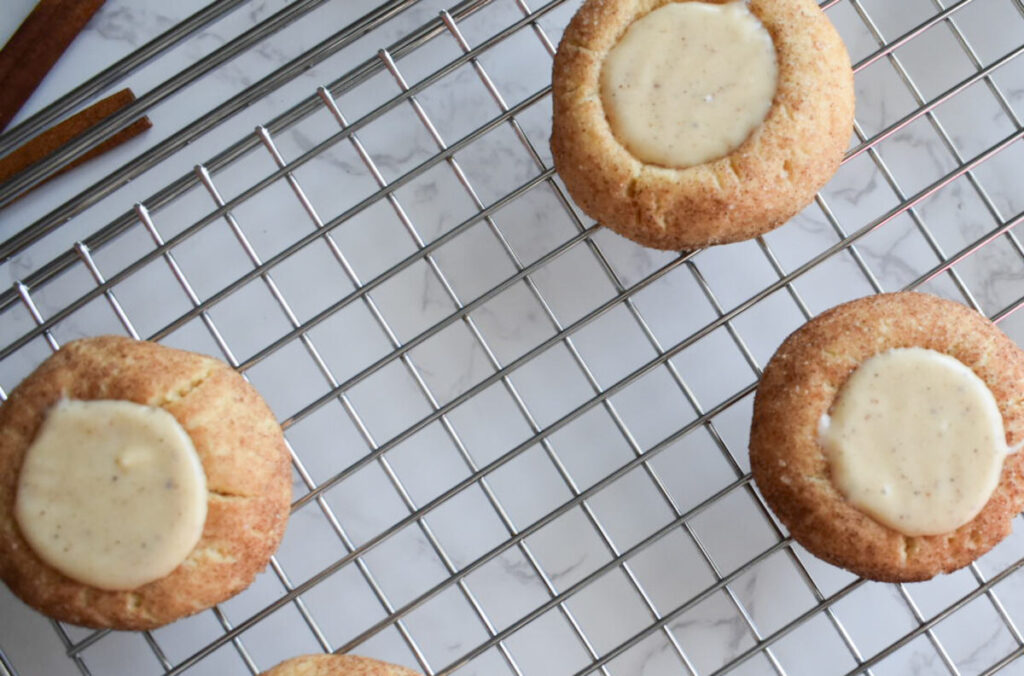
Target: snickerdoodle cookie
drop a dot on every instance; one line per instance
(682, 124)
(337, 665)
(885, 434)
(138, 484)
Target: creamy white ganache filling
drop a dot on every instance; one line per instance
(111, 493)
(689, 82)
(915, 439)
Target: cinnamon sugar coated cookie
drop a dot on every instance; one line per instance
(245, 478)
(630, 129)
(811, 374)
(337, 665)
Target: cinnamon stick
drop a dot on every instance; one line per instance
(36, 46)
(54, 137)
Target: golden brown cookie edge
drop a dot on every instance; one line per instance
(337, 665)
(791, 156)
(799, 385)
(246, 515)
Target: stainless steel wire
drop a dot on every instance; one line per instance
(305, 330)
(99, 83)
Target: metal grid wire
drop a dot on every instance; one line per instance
(557, 624)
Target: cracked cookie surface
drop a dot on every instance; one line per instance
(769, 178)
(238, 441)
(799, 386)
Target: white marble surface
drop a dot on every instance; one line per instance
(678, 568)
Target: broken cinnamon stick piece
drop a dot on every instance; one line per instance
(36, 46)
(55, 137)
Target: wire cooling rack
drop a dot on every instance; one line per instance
(519, 441)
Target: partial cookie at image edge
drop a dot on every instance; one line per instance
(337, 665)
(768, 179)
(799, 385)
